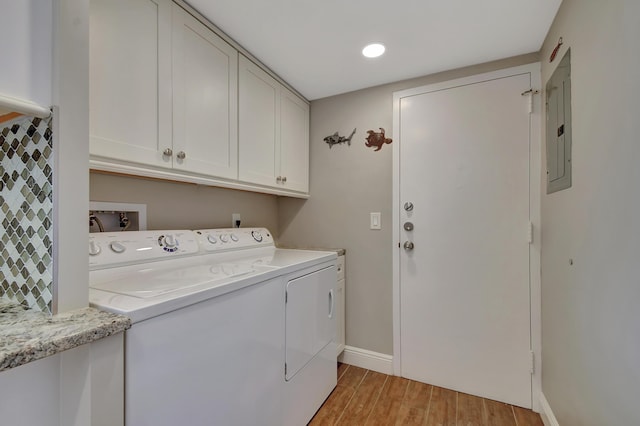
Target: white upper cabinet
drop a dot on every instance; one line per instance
(205, 101)
(294, 141)
(130, 80)
(259, 132)
(273, 132)
(26, 28)
(171, 99)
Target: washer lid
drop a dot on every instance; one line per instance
(151, 282)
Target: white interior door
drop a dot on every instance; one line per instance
(464, 287)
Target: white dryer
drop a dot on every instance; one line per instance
(227, 328)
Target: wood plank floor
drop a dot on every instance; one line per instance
(364, 397)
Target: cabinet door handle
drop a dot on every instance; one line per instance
(168, 152)
(331, 303)
(279, 179)
(284, 179)
(181, 155)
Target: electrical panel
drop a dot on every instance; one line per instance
(558, 133)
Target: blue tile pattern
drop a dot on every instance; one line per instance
(26, 211)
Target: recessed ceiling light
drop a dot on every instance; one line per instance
(373, 50)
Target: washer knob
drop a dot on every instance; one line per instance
(224, 238)
(212, 239)
(94, 248)
(117, 247)
(256, 236)
(169, 241)
(234, 237)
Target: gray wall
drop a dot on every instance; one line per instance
(590, 314)
(346, 184)
(175, 205)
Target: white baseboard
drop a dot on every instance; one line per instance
(382, 363)
(548, 418)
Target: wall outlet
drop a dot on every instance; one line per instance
(235, 220)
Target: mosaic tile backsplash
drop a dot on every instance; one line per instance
(26, 208)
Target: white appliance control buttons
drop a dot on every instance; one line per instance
(94, 248)
(168, 243)
(256, 236)
(117, 247)
(224, 238)
(212, 239)
(234, 237)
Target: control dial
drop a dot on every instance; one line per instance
(256, 236)
(234, 238)
(224, 238)
(94, 248)
(117, 247)
(212, 239)
(168, 243)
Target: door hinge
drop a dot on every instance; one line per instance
(285, 368)
(286, 298)
(530, 233)
(532, 368)
(530, 93)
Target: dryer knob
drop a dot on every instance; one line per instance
(212, 239)
(256, 236)
(234, 237)
(224, 238)
(94, 248)
(117, 247)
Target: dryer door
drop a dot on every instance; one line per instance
(310, 317)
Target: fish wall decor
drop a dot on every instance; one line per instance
(336, 139)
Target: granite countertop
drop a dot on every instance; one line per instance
(27, 335)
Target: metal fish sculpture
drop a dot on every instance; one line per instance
(336, 139)
(376, 139)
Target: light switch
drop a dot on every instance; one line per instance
(375, 220)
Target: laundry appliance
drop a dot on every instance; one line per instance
(227, 328)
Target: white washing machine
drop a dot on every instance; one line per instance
(227, 328)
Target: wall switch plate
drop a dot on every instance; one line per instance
(235, 220)
(375, 222)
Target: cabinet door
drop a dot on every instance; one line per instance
(205, 69)
(259, 133)
(130, 80)
(294, 141)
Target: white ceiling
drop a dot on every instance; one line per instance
(315, 45)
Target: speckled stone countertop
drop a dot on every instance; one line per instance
(27, 335)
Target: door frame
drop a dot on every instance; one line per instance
(535, 170)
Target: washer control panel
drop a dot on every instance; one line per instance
(107, 249)
(212, 240)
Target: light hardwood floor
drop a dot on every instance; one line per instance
(365, 397)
